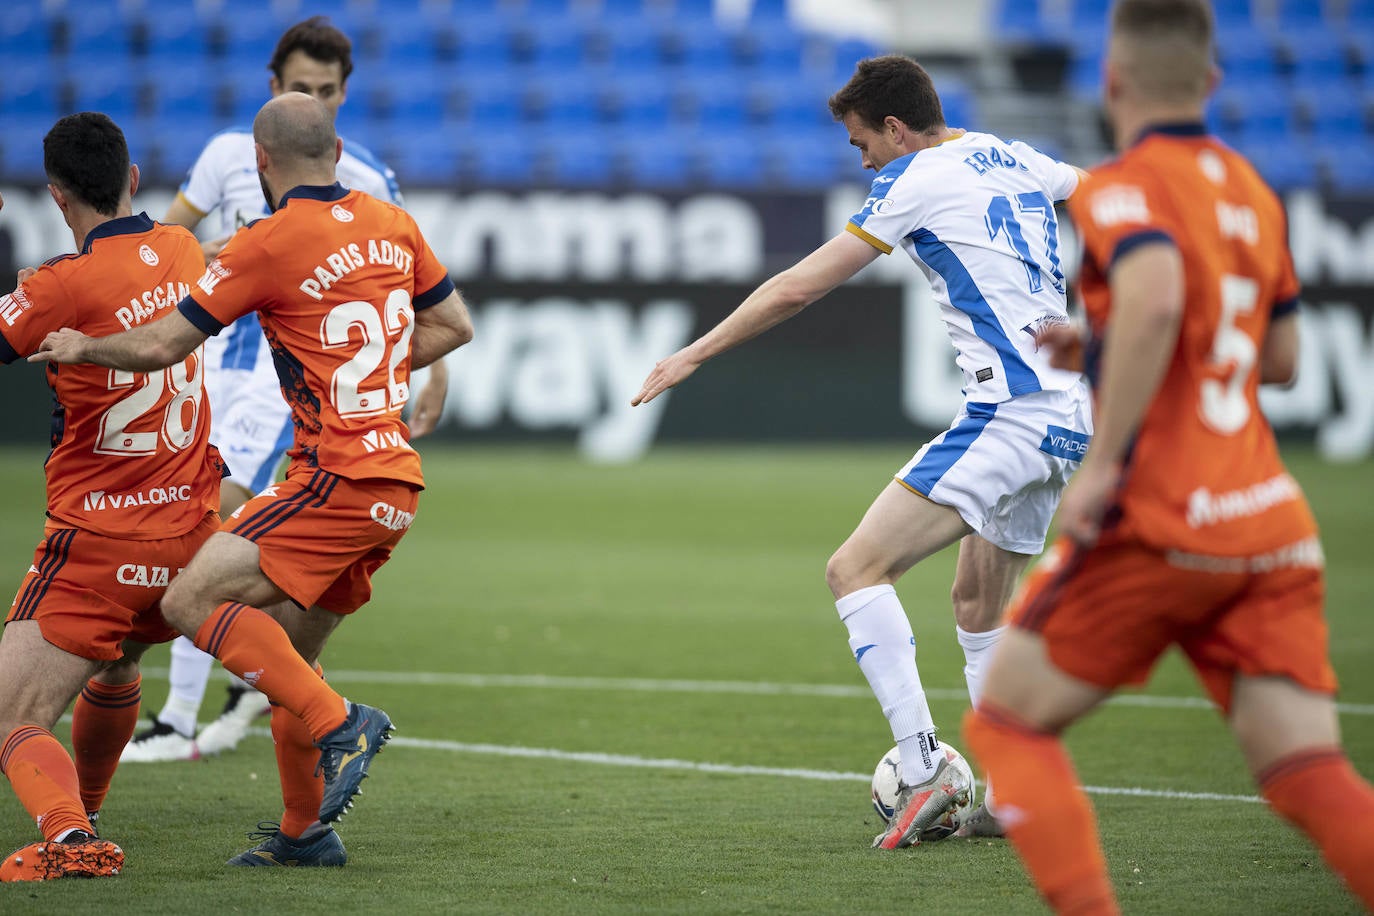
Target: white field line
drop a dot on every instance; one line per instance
(668, 763)
(756, 688)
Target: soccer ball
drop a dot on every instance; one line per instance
(888, 775)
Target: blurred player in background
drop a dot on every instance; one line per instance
(976, 214)
(252, 421)
(132, 492)
(351, 297)
(1182, 525)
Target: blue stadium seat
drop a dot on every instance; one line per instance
(1316, 54)
(1335, 116)
(729, 159)
(789, 102)
(406, 37)
(1359, 14)
(1300, 15)
(1084, 79)
(110, 87)
(1284, 166)
(1256, 110)
(176, 33)
(957, 102)
(95, 31)
(553, 45)
(769, 13)
(845, 53)
(701, 49)
(184, 93)
(657, 162)
(693, 10)
(484, 46)
(489, 100)
(810, 161)
(27, 29)
(29, 94)
(633, 49)
(422, 161)
(579, 160)
(1349, 168)
(643, 104)
(1021, 22)
(715, 102)
(505, 164)
(178, 141)
(1246, 53)
(1233, 13)
(570, 100)
(773, 52)
(21, 151)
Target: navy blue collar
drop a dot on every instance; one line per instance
(120, 225)
(324, 192)
(1175, 129)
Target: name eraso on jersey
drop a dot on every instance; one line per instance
(151, 301)
(982, 162)
(349, 258)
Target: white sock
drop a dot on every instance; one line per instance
(189, 671)
(881, 640)
(977, 650)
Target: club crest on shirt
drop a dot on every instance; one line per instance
(147, 255)
(340, 214)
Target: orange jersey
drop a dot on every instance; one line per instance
(130, 450)
(1204, 473)
(336, 277)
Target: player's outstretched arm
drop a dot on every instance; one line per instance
(779, 298)
(155, 345)
(1147, 311)
(440, 329)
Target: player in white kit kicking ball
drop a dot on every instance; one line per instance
(251, 421)
(976, 214)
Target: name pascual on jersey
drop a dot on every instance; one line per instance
(148, 303)
(99, 500)
(350, 257)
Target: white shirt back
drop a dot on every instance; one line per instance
(224, 184)
(976, 214)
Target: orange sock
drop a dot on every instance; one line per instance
(302, 789)
(253, 646)
(1319, 792)
(44, 778)
(103, 721)
(1047, 816)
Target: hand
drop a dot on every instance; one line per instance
(212, 248)
(1085, 501)
(25, 273)
(65, 346)
(667, 373)
(1065, 344)
(428, 406)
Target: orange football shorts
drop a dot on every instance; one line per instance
(1107, 613)
(321, 537)
(90, 592)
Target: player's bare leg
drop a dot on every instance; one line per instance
(1291, 741)
(37, 682)
(1026, 703)
(900, 529)
(984, 579)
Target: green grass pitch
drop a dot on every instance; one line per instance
(583, 662)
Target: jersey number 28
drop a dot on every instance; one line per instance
(180, 416)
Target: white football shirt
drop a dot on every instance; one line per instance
(976, 214)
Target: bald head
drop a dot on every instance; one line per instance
(296, 130)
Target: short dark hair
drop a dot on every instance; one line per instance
(890, 85)
(85, 154)
(319, 39)
(1164, 46)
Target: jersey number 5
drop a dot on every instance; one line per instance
(385, 336)
(179, 417)
(1225, 404)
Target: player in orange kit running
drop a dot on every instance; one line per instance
(132, 492)
(351, 299)
(1182, 525)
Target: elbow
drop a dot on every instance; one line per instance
(463, 334)
(792, 295)
(1279, 370)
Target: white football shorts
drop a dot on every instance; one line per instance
(1003, 466)
(250, 421)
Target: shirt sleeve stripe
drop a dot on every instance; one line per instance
(1284, 308)
(7, 353)
(433, 296)
(1135, 240)
(198, 316)
(873, 240)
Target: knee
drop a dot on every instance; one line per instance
(175, 608)
(842, 574)
(116, 673)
